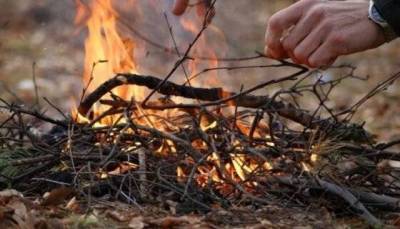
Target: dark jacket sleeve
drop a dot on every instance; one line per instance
(390, 11)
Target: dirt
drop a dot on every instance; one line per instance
(19, 212)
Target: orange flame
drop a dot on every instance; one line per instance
(202, 48)
(106, 52)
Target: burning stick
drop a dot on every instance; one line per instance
(217, 96)
(239, 162)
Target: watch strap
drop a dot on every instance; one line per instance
(376, 17)
(390, 11)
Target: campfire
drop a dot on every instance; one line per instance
(140, 138)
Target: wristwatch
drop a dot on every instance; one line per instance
(376, 17)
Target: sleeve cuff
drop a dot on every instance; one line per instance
(390, 11)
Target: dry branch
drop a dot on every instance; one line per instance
(218, 96)
(351, 199)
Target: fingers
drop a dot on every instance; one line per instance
(278, 24)
(305, 28)
(327, 53)
(302, 52)
(203, 8)
(317, 32)
(302, 33)
(180, 7)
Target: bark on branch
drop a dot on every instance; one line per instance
(216, 95)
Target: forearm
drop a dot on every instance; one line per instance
(390, 11)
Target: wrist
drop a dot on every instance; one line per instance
(376, 17)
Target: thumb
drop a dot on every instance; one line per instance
(278, 24)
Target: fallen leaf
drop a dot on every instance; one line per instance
(57, 196)
(20, 214)
(172, 206)
(118, 216)
(137, 223)
(73, 205)
(171, 221)
(302, 227)
(10, 193)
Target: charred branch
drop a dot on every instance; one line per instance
(218, 96)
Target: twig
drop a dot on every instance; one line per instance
(184, 56)
(35, 84)
(351, 199)
(142, 170)
(217, 96)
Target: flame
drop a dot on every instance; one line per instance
(202, 48)
(180, 174)
(106, 51)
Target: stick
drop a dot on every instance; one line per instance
(216, 96)
(35, 84)
(346, 195)
(142, 172)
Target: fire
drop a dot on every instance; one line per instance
(108, 53)
(201, 49)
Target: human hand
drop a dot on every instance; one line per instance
(317, 32)
(202, 6)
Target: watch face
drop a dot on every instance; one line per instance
(377, 16)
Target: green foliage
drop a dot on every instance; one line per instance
(9, 156)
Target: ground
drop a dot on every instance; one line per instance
(39, 38)
(16, 211)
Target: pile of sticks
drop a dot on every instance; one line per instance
(201, 154)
